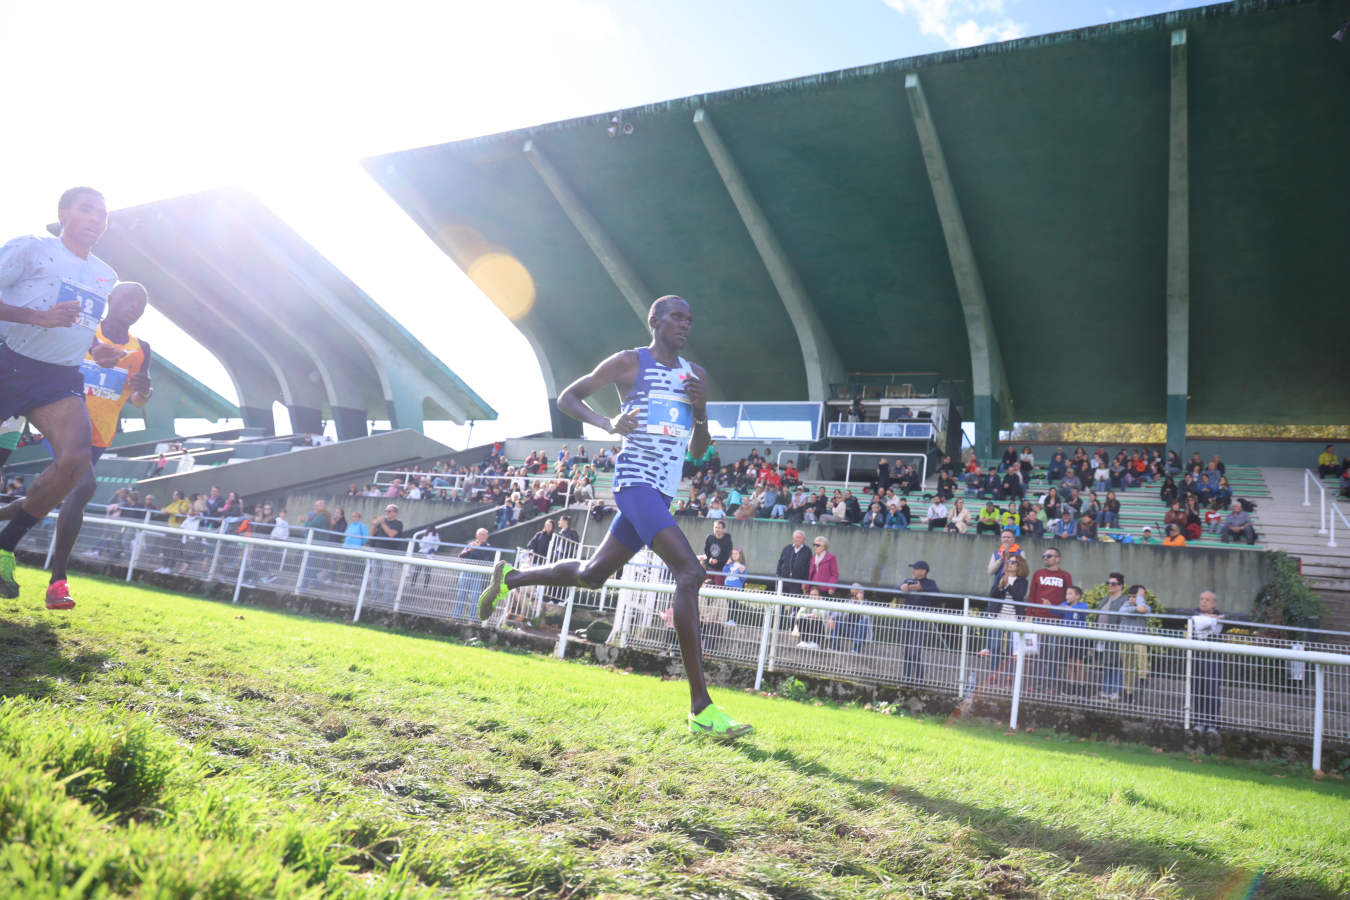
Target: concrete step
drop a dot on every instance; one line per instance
(1337, 615)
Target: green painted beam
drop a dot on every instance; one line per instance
(629, 283)
(1178, 249)
(823, 364)
(992, 394)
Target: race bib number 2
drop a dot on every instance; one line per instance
(92, 305)
(670, 415)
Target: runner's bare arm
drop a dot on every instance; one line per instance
(697, 390)
(619, 370)
(141, 389)
(62, 315)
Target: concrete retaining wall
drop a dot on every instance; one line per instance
(881, 558)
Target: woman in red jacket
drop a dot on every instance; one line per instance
(824, 566)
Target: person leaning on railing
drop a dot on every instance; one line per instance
(1009, 590)
(1116, 601)
(1207, 625)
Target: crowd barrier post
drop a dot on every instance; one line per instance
(215, 558)
(965, 647)
(136, 541)
(1019, 665)
(304, 561)
(773, 631)
(769, 616)
(1186, 699)
(361, 596)
(239, 579)
(621, 618)
(561, 651)
(403, 575)
(51, 549)
(1319, 707)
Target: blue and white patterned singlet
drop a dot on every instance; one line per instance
(653, 452)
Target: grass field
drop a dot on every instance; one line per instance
(159, 745)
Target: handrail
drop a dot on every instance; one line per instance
(1335, 512)
(1308, 476)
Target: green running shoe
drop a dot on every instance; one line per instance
(496, 590)
(718, 725)
(9, 588)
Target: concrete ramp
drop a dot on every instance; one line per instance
(281, 473)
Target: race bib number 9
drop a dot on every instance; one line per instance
(92, 305)
(106, 384)
(670, 415)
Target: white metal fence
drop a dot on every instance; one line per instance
(1152, 669)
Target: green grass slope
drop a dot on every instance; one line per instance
(159, 745)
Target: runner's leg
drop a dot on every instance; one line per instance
(673, 547)
(69, 522)
(609, 557)
(66, 425)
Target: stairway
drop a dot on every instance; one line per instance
(1286, 524)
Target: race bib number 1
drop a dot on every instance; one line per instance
(106, 384)
(91, 304)
(670, 415)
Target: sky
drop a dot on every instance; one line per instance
(147, 100)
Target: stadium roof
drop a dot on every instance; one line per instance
(180, 396)
(1082, 226)
(285, 323)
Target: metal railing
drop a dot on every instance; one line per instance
(899, 430)
(974, 647)
(848, 462)
(1310, 478)
(1140, 671)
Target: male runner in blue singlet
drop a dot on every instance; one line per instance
(664, 414)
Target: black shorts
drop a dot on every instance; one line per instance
(27, 384)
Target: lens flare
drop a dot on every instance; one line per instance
(506, 282)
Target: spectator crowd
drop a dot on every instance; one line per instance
(1081, 500)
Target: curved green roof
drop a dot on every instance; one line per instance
(1058, 153)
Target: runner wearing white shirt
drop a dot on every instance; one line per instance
(53, 293)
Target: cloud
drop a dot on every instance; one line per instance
(961, 23)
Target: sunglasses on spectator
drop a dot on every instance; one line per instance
(1113, 582)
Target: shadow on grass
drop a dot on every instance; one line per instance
(31, 658)
(1231, 769)
(1196, 866)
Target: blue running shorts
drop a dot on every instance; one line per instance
(644, 512)
(27, 384)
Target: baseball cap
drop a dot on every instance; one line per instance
(1148, 529)
(919, 565)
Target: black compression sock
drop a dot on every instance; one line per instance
(16, 529)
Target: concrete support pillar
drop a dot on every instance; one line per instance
(405, 411)
(350, 422)
(1178, 252)
(823, 363)
(258, 417)
(993, 399)
(563, 425)
(305, 419)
